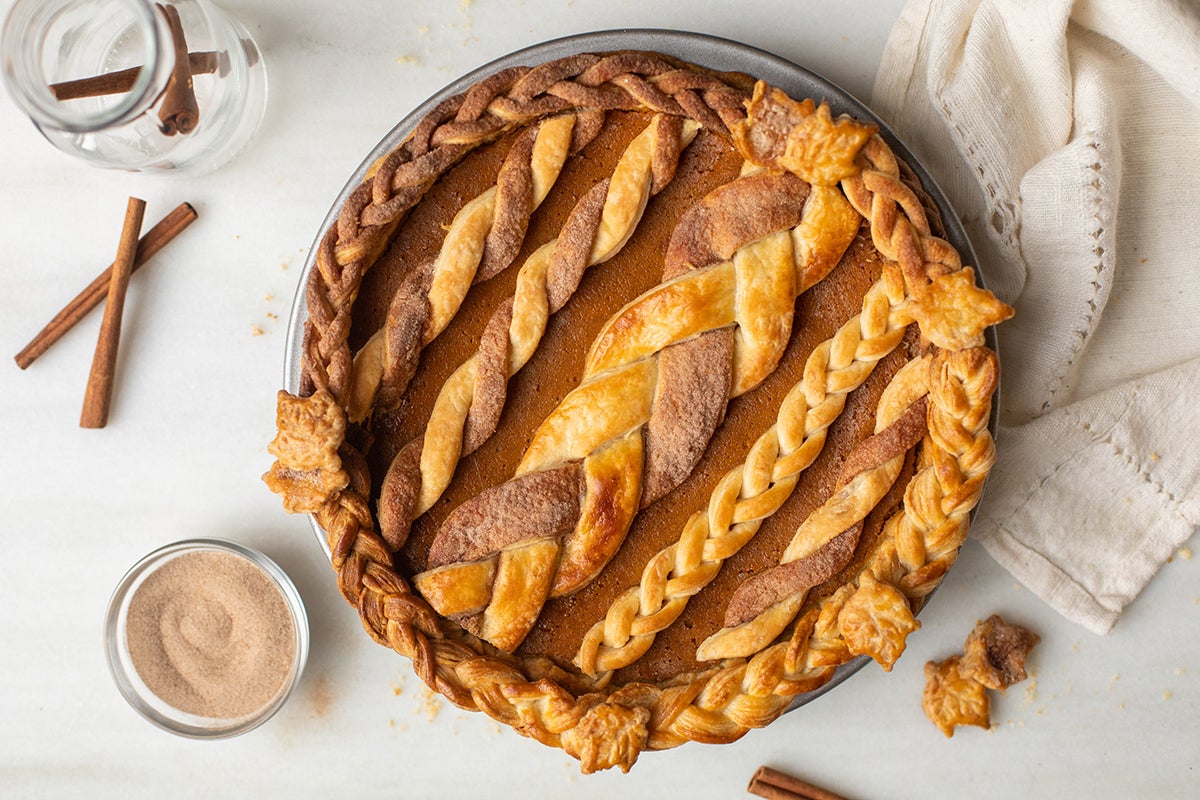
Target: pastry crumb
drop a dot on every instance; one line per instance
(408, 59)
(256, 331)
(431, 704)
(1185, 553)
(1167, 695)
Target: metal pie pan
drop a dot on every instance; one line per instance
(701, 49)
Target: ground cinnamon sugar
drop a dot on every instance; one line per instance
(210, 634)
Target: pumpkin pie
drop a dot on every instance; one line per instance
(636, 399)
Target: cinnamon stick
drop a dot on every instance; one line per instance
(775, 785)
(97, 399)
(179, 112)
(201, 63)
(155, 239)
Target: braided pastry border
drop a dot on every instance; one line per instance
(602, 727)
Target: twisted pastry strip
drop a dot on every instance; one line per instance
(592, 448)
(756, 489)
(482, 240)
(468, 406)
(824, 543)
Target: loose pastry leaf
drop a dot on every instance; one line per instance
(952, 698)
(995, 652)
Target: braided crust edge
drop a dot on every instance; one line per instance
(600, 726)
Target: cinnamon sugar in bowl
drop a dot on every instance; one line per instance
(206, 638)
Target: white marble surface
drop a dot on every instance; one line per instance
(194, 409)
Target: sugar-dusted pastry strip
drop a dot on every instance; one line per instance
(469, 403)
(630, 376)
(754, 490)
(482, 240)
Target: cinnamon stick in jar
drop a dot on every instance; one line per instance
(179, 112)
(97, 398)
(122, 81)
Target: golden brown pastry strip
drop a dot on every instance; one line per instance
(801, 574)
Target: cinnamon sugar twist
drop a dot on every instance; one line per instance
(469, 404)
(939, 499)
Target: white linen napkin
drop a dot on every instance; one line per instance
(1067, 136)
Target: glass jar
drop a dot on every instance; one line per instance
(135, 85)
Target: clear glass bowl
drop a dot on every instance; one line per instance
(135, 691)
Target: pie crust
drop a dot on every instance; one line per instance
(657, 381)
